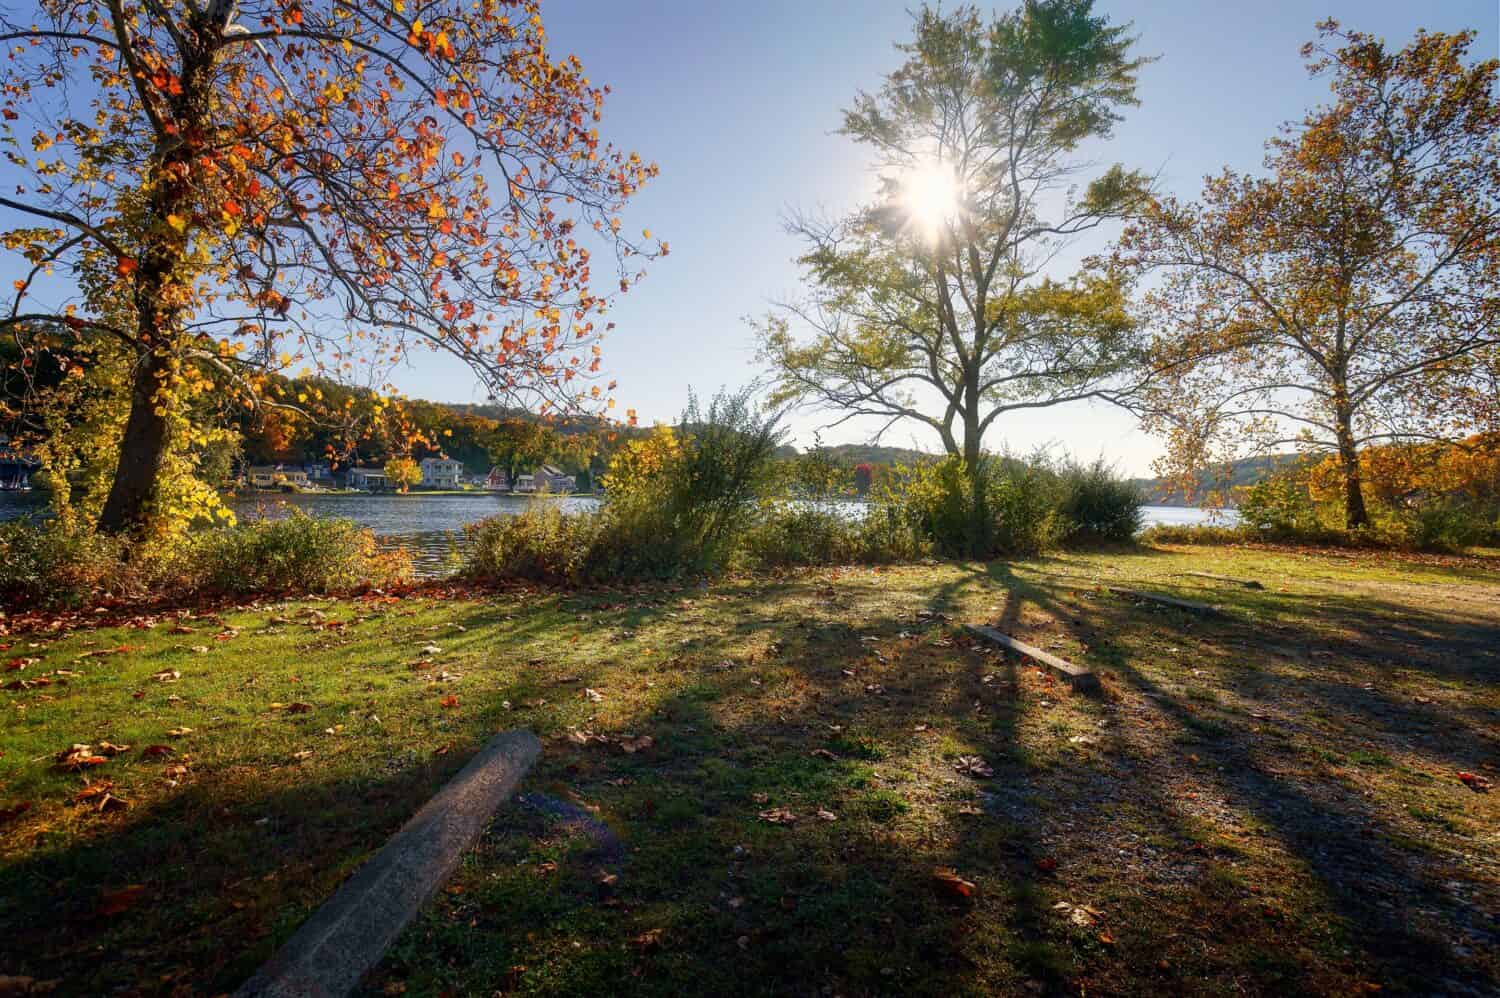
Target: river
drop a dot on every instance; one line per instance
(431, 526)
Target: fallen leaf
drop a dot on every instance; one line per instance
(948, 880)
(778, 816)
(78, 757)
(156, 751)
(973, 765)
(167, 676)
(1046, 864)
(111, 749)
(179, 732)
(1080, 915)
(593, 695)
(13, 812)
(449, 701)
(1475, 782)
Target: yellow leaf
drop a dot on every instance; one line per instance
(177, 222)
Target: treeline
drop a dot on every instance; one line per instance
(347, 426)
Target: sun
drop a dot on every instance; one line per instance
(931, 195)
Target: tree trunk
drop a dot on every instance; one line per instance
(979, 509)
(1355, 514)
(142, 448)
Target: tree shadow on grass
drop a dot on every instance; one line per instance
(1396, 897)
(1125, 823)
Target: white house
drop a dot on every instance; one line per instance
(525, 483)
(268, 477)
(441, 473)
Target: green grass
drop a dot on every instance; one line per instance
(1252, 804)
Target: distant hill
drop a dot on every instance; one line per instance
(1244, 472)
(852, 454)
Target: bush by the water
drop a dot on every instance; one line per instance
(299, 553)
(1097, 505)
(679, 501)
(695, 501)
(50, 564)
(55, 565)
(1016, 507)
(1415, 496)
(792, 534)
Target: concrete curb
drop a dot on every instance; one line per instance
(350, 933)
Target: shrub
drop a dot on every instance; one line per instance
(300, 553)
(678, 503)
(542, 544)
(788, 534)
(51, 564)
(1442, 524)
(1008, 508)
(1022, 499)
(1098, 505)
(1280, 506)
(1194, 533)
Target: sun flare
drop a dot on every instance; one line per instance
(931, 194)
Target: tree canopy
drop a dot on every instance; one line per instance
(215, 190)
(1351, 294)
(935, 303)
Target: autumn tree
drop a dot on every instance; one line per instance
(221, 189)
(402, 473)
(1351, 294)
(517, 444)
(934, 304)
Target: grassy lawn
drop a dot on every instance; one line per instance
(1266, 802)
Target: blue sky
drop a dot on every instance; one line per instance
(739, 102)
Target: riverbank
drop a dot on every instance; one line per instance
(774, 767)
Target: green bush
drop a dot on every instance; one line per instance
(51, 565)
(542, 544)
(1194, 533)
(1442, 524)
(297, 554)
(1280, 506)
(1098, 505)
(1023, 503)
(678, 503)
(788, 534)
(1008, 508)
